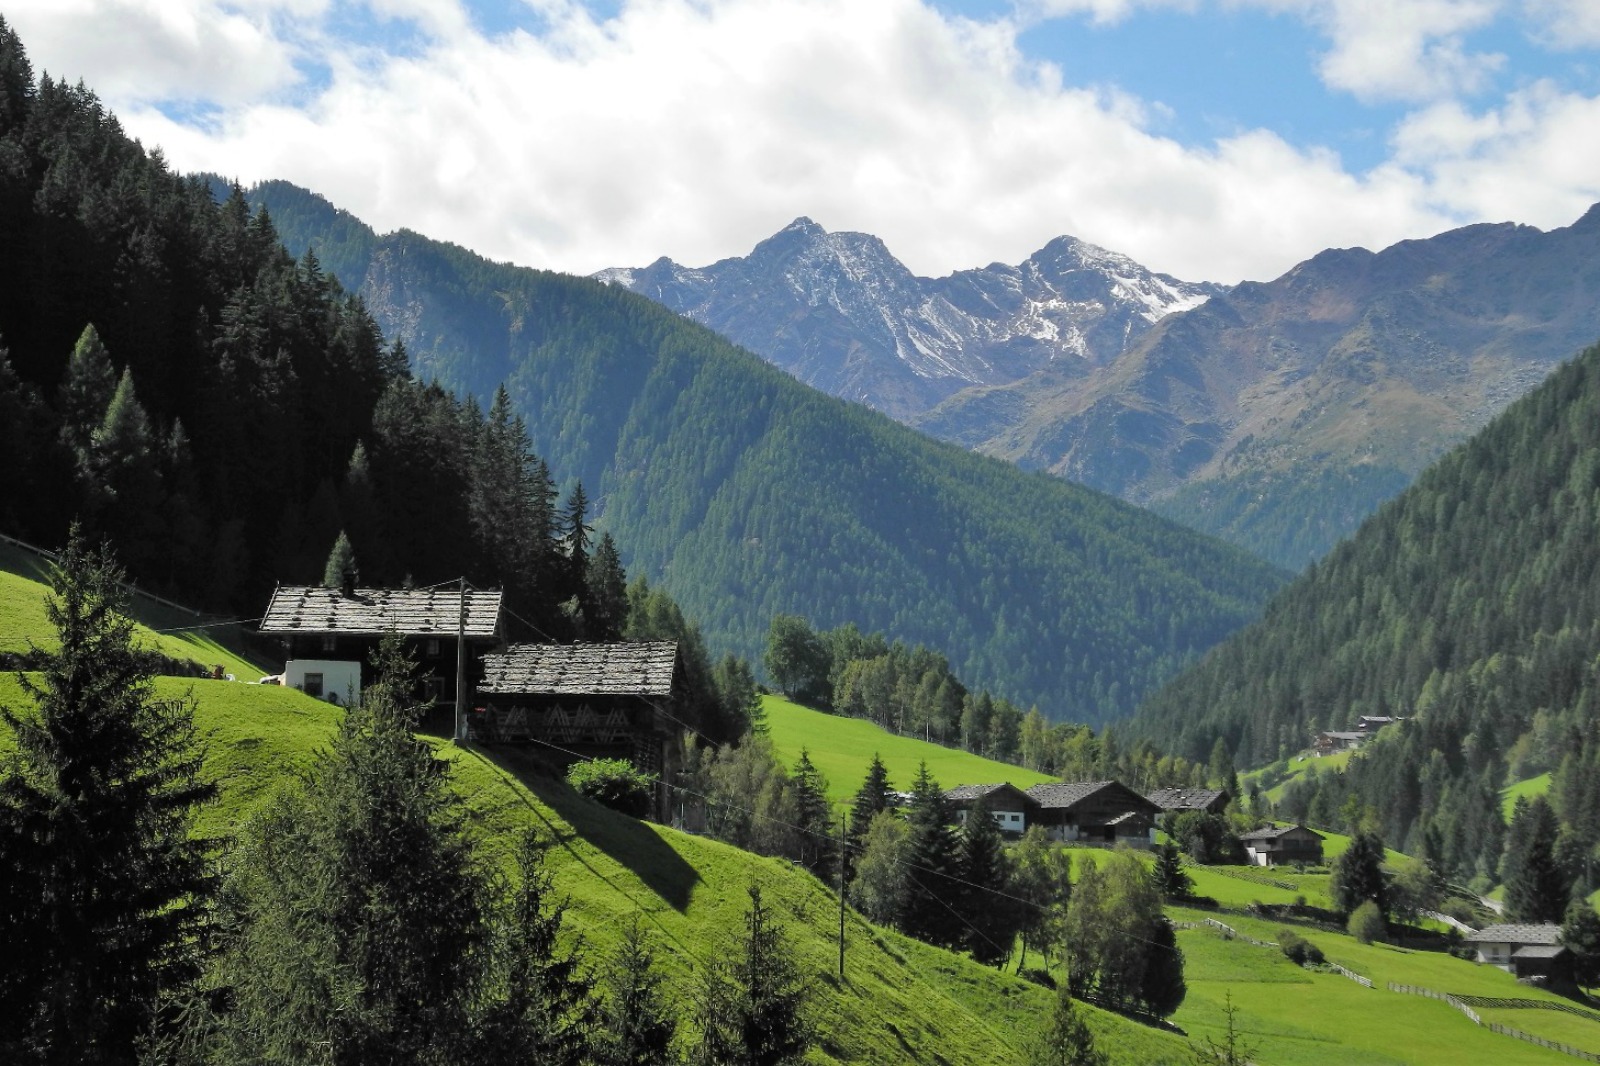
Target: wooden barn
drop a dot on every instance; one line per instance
(1007, 804)
(1276, 845)
(1095, 812)
(615, 701)
(329, 635)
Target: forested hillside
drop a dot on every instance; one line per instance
(1470, 604)
(752, 495)
(220, 412)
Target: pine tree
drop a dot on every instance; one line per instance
(85, 392)
(1066, 1041)
(606, 614)
(545, 1010)
(1168, 873)
(814, 822)
(1536, 886)
(357, 914)
(1358, 875)
(103, 879)
(930, 854)
(637, 1024)
(870, 799)
(770, 1007)
(1580, 932)
(985, 896)
(340, 571)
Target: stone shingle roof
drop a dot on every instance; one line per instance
(411, 612)
(1185, 799)
(1517, 933)
(973, 793)
(1067, 794)
(643, 668)
(1273, 832)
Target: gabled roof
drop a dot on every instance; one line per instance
(974, 793)
(641, 668)
(1186, 799)
(372, 612)
(1064, 795)
(1540, 951)
(1273, 832)
(1517, 933)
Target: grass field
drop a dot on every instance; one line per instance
(1527, 788)
(842, 748)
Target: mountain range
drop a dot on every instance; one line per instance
(1276, 414)
(748, 494)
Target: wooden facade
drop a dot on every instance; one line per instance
(1095, 812)
(1010, 807)
(1277, 845)
(580, 701)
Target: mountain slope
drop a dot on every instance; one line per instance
(750, 494)
(839, 312)
(1279, 414)
(1472, 603)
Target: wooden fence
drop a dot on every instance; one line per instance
(1464, 1004)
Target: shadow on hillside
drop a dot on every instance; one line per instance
(631, 843)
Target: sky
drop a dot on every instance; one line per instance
(1215, 140)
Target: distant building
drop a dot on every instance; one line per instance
(1527, 950)
(329, 635)
(1007, 804)
(1330, 741)
(1178, 800)
(1277, 845)
(617, 701)
(1096, 812)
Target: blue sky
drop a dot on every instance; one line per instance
(1212, 139)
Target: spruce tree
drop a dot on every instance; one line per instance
(1536, 886)
(1169, 874)
(870, 799)
(637, 1023)
(930, 854)
(761, 1000)
(340, 569)
(813, 819)
(1066, 1041)
(1580, 932)
(1358, 875)
(605, 615)
(104, 881)
(985, 895)
(357, 914)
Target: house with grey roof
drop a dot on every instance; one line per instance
(580, 701)
(1279, 844)
(1007, 804)
(329, 635)
(1095, 812)
(1528, 950)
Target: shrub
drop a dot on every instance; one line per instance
(617, 783)
(1366, 923)
(1300, 951)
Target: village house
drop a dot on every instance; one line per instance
(1330, 741)
(1095, 812)
(329, 635)
(580, 701)
(1526, 950)
(1007, 804)
(1179, 800)
(1277, 845)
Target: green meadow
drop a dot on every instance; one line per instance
(842, 748)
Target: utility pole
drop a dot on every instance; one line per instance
(461, 665)
(842, 845)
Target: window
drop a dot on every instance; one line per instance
(329, 642)
(313, 685)
(433, 647)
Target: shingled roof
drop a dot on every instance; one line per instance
(410, 612)
(973, 793)
(1517, 933)
(1185, 799)
(642, 668)
(1067, 794)
(1273, 832)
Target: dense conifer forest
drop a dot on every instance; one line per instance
(750, 495)
(1471, 605)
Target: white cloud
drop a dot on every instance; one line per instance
(135, 50)
(695, 128)
(1566, 24)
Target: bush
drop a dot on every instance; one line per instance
(1367, 924)
(617, 783)
(1299, 950)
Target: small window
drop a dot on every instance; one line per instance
(313, 685)
(433, 647)
(329, 642)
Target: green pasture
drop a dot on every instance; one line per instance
(1285, 771)
(842, 748)
(1527, 788)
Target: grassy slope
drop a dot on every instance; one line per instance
(22, 620)
(1529, 787)
(842, 748)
